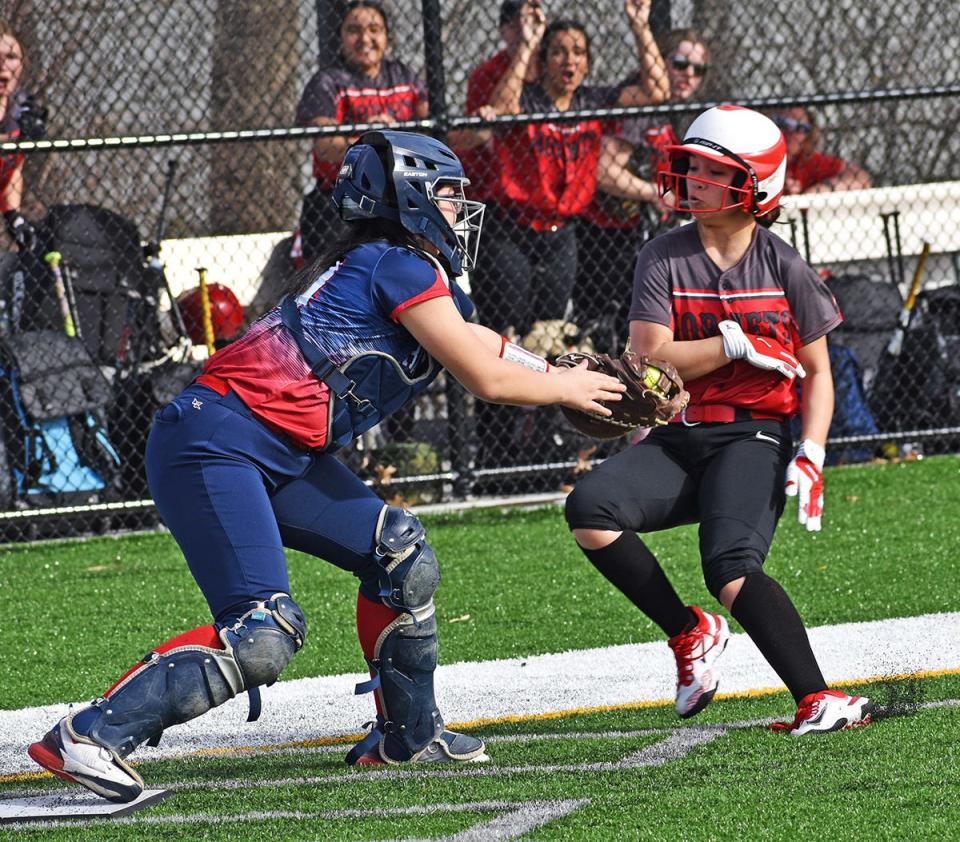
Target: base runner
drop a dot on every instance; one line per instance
(740, 316)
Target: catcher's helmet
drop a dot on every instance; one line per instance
(741, 138)
(226, 313)
(398, 176)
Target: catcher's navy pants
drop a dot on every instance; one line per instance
(234, 494)
(729, 478)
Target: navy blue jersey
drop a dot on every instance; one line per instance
(350, 311)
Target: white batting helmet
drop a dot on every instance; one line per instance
(741, 138)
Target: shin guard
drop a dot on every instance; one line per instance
(194, 672)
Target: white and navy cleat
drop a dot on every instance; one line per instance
(80, 760)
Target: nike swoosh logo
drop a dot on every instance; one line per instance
(765, 437)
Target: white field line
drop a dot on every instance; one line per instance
(312, 708)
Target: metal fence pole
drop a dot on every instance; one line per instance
(328, 38)
(436, 90)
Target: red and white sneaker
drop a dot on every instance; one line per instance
(828, 710)
(696, 652)
(80, 760)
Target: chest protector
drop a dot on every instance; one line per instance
(365, 389)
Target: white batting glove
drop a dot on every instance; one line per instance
(805, 478)
(759, 351)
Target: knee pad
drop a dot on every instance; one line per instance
(199, 670)
(409, 571)
(265, 638)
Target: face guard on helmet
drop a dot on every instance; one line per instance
(737, 137)
(402, 176)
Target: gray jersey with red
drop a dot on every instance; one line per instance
(770, 291)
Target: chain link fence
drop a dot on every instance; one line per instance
(185, 169)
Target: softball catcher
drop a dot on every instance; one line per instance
(241, 465)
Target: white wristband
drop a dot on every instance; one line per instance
(521, 356)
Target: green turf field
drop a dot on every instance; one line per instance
(78, 614)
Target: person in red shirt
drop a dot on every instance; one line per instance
(361, 86)
(808, 169)
(626, 210)
(546, 177)
(479, 162)
(20, 118)
(741, 316)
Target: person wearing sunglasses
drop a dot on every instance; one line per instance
(808, 169)
(626, 210)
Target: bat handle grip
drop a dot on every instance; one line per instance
(208, 335)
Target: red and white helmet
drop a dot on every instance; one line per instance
(741, 138)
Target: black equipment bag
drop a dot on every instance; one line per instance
(921, 387)
(116, 295)
(871, 309)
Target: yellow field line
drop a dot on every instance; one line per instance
(346, 739)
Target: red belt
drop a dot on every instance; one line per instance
(211, 381)
(721, 413)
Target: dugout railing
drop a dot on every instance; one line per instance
(119, 117)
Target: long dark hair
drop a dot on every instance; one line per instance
(358, 233)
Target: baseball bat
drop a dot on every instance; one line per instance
(207, 312)
(901, 274)
(53, 259)
(152, 250)
(891, 268)
(896, 341)
(71, 297)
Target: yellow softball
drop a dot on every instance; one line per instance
(651, 377)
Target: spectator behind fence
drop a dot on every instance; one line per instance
(361, 86)
(626, 210)
(546, 177)
(479, 161)
(22, 118)
(808, 169)
(547, 171)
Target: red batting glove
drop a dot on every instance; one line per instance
(805, 479)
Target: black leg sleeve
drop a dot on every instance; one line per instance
(770, 618)
(632, 568)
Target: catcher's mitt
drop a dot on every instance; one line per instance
(654, 395)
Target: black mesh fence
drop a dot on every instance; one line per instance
(168, 166)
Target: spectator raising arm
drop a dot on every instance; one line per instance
(614, 175)
(505, 98)
(653, 85)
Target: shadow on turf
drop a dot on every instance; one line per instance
(897, 697)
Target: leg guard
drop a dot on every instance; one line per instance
(401, 648)
(410, 572)
(192, 673)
